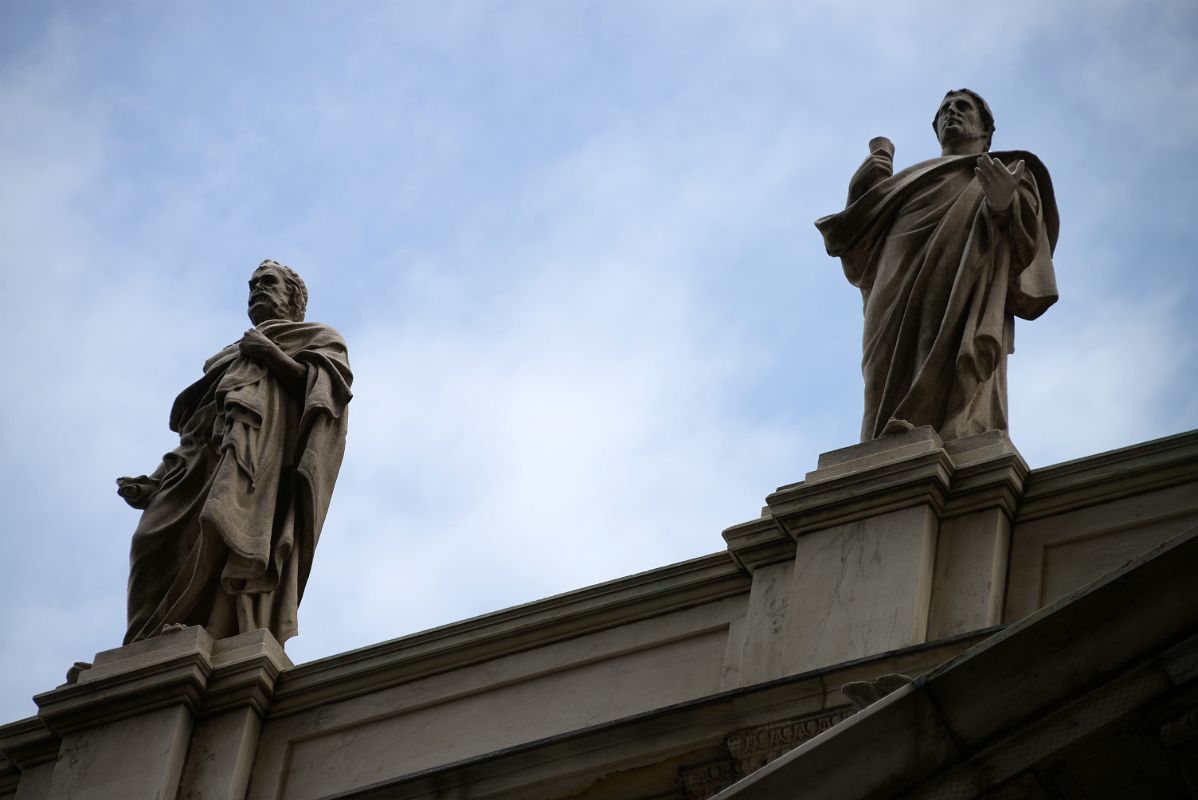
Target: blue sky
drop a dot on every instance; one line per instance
(571, 247)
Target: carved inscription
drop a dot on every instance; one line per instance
(752, 749)
(704, 780)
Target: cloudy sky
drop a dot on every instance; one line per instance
(571, 247)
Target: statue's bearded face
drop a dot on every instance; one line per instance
(960, 119)
(270, 297)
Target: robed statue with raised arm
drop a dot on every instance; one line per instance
(231, 517)
(946, 254)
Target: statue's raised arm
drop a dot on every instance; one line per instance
(946, 254)
(232, 515)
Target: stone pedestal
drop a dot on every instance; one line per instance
(886, 544)
(176, 716)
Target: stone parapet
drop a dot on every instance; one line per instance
(889, 557)
(128, 725)
(866, 480)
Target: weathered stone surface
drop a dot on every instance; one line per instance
(35, 782)
(128, 725)
(136, 756)
(221, 755)
(1084, 518)
(701, 781)
(861, 588)
(971, 569)
(946, 253)
(765, 623)
(1063, 692)
(232, 515)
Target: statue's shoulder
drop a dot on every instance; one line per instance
(325, 333)
(1011, 157)
(313, 334)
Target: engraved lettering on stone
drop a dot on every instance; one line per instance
(754, 748)
(701, 781)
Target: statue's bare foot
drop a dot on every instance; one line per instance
(897, 426)
(172, 628)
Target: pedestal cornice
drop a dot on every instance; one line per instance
(245, 669)
(180, 668)
(891, 473)
(874, 489)
(759, 543)
(164, 671)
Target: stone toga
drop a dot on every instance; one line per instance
(227, 539)
(942, 276)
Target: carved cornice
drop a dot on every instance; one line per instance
(177, 680)
(1100, 478)
(28, 742)
(816, 504)
(759, 543)
(892, 473)
(596, 608)
(184, 668)
(997, 482)
(245, 670)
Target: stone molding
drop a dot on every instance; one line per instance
(895, 472)
(955, 478)
(245, 670)
(185, 667)
(759, 543)
(119, 690)
(992, 478)
(27, 743)
(647, 738)
(590, 610)
(1112, 475)
(750, 749)
(820, 502)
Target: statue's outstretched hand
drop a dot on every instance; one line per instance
(138, 491)
(877, 167)
(998, 182)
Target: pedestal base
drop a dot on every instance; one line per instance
(178, 710)
(892, 543)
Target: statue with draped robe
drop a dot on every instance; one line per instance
(946, 253)
(231, 517)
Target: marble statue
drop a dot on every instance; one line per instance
(232, 515)
(946, 253)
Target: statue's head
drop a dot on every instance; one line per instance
(964, 122)
(277, 292)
